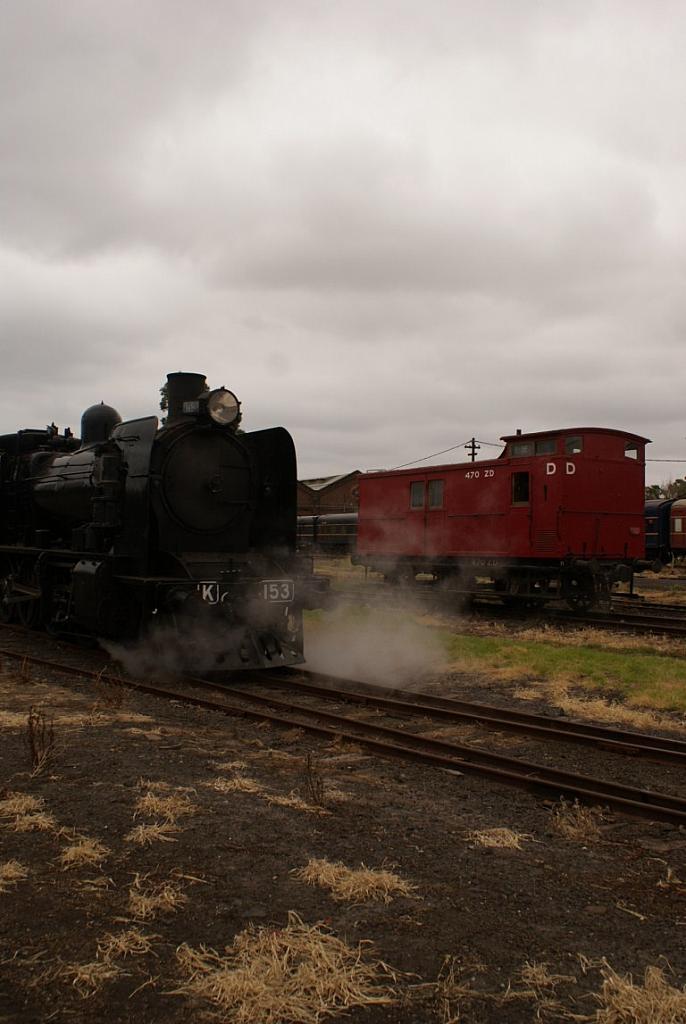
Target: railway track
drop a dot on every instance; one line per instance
(627, 615)
(390, 742)
(448, 709)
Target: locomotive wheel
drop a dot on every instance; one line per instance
(29, 612)
(7, 611)
(580, 596)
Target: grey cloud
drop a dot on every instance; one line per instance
(387, 226)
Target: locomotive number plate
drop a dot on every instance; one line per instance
(278, 590)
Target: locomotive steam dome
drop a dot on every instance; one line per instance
(206, 480)
(97, 423)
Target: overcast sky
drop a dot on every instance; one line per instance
(387, 225)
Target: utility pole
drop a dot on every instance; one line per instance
(472, 447)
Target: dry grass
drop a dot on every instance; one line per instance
(89, 978)
(296, 802)
(561, 694)
(536, 975)
(97, 886)
(245, 784)
(574, 821)
(653, 1002)
(170, 808)
(11, 872)
(148, 899)
(15, 805)
(357, 885)
(154, 832)
(131, 942)
(238, 784)
(12, 720)
(231, 766)
(35, 823)
(28, 813)
(499, 838)
(299, 974)
(85, 852)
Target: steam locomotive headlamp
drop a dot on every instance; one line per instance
(223, 407)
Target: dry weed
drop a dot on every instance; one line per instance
(11, 872)
(293, 975)
(499, 838)
(109, 691)
(156, 831)
(450, 991)
(653, 1002)
(147, 899)
(672, 881)
(131, 942)
(574, 821)
(356, 885)
(39, 739)
(313, 782)
(84, 852)
(89, 978)
(231, 766)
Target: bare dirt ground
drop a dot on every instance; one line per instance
(156, 832)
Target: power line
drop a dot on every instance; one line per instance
(435, 455)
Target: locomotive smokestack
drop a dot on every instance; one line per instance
(182, 387)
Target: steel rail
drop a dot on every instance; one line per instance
(395, 743)
(526, 774)
(506, 719)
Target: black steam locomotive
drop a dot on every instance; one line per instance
(189, 527)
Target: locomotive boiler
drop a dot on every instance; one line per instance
(189, 526)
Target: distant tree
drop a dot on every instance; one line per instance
(667, 489)
(675, 488)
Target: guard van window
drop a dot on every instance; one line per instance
(547, 446)
(417, 494)
(518, 449)
(435, 493)
(573, 445)
(631, 450)
(678, 527)
(520, 488)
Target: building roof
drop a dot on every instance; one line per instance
(322, 482)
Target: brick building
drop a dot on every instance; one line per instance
(328, 494)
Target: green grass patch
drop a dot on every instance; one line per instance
(647, 679)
